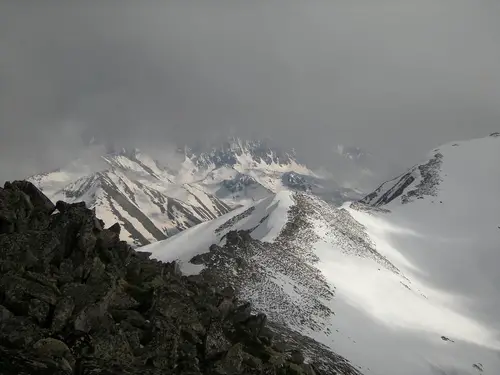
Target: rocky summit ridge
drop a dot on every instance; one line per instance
(74, 299)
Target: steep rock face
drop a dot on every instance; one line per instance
(74, 299)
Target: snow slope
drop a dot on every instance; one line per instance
(444, 219)
(266, 218)
(398, 284)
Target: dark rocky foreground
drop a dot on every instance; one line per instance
(74, 299)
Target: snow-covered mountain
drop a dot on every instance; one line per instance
(235, 152)
(154, 200)
(131, 188)
(245, 171)
(404, 281)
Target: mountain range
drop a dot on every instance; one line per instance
(401, 281)
(153, 200)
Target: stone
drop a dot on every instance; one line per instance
(200, 258)
(85, 238)
(123, 301)
(255, 324)
(123, 251)
(37, 198)
(66, 274)
(38, 310)
(131, 316)
(15, 209)
(143, 255)
(115, 228)
(19, 332)
(241, 313)
(107, 239)
(112, 347)
(96, 304)
(275, 358)
(294, 369)
(228, 292)
(19, 291)
(252, 362)
(297, 357)
(62, 312)
(62, 206)
(308, 369)
(5, 313)
(45, 280)
(98, 224)
(29, 249)
(232, 361)
(16, 362)
(225, 307)
(80, 343)
(267, 336)
(91, 317)
(56, 349)
(216, 340)
(96, 271)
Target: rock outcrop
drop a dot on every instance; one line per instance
(74, 299)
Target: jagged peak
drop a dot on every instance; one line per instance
(235, 150)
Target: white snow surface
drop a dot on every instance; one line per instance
(416, 284)
(448, 245)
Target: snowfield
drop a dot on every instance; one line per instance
(404, 282)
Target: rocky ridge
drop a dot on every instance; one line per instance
(420, 181)
(74, 299)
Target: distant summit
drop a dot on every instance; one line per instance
(235, 150)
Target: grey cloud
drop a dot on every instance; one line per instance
(396, 77)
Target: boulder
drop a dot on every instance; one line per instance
(5, 314)
(297, 357)
(62, 312)
(37, 198)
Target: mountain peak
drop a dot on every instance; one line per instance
(238, 151)
(425, 179)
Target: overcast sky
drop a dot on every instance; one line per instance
(396, 77)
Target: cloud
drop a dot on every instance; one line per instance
(396, 77)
